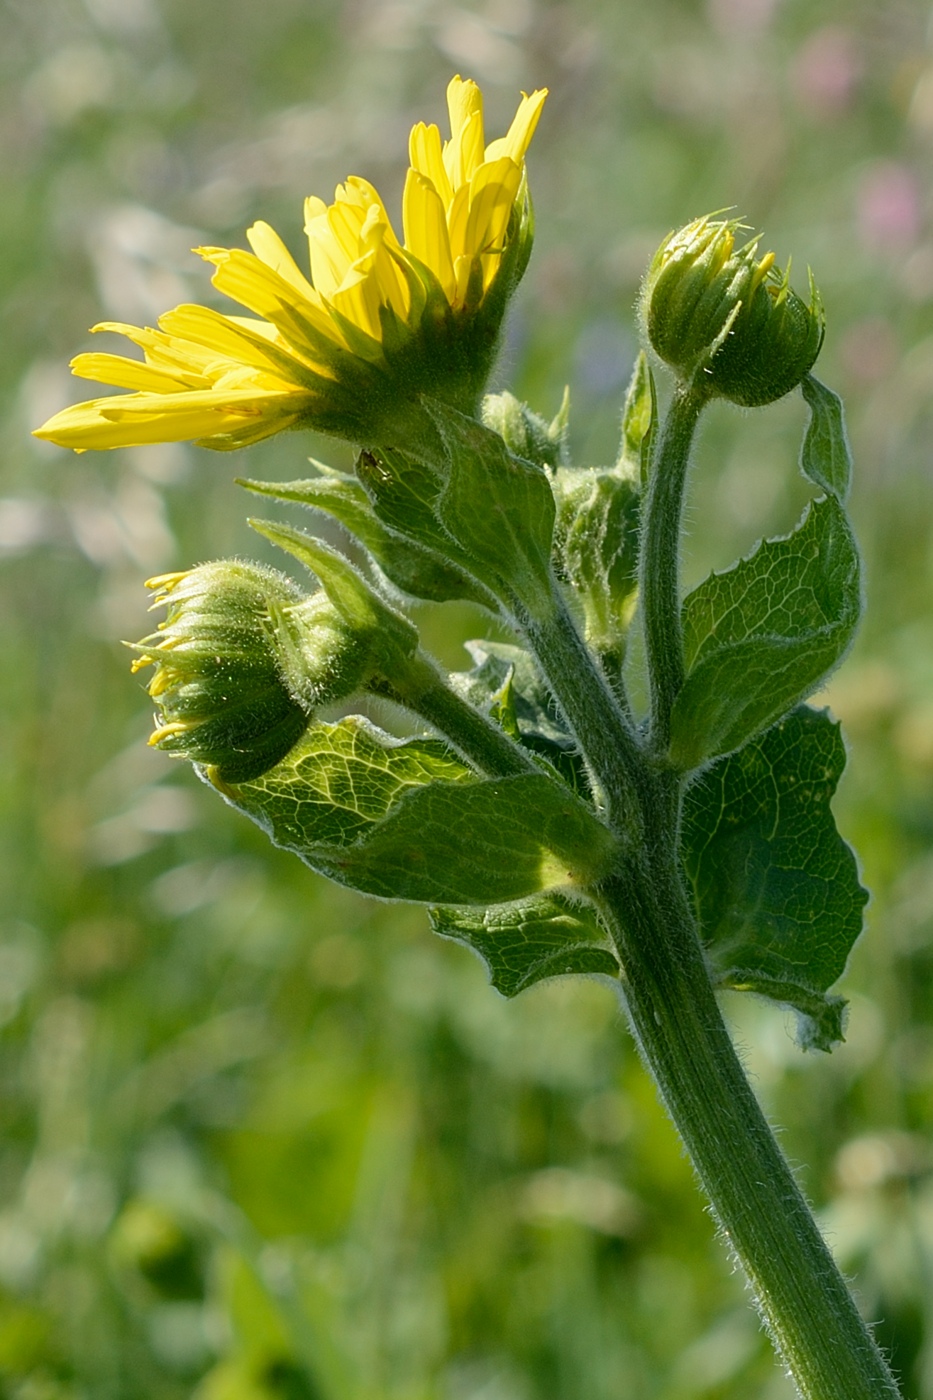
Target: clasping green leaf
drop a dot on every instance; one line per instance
(777, 889)
(392, 637)
(761, 636)
(639, 422)
(498, 508)
(596, 544)
(825, 457)
(412, 567)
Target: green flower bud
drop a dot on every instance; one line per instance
(525, 433)
(726, 319)
(242, 660)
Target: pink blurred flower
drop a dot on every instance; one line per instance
(887, 211)
(827, 71)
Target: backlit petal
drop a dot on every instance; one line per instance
(268, 246)
(426, 156)
(132, 420)
(425, 225)
(518, 138)
(124, 373)
(492, 194)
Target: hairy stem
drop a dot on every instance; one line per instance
(802, 1297)
(660, 560)
(598, 723)
(476, 738)
(675, 1018)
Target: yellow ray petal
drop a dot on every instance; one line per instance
(143, 336)
(463, 268)
(393, 289)
(492, 193)
(182, 359)
(255, 327)
(241, 276)
(268, 246)
(518, 138)
(372, 202)
(426, 156)
(314, 208)
(464, 153)
(464, 105)
(425, 226)
(124, 373)
(457, 216)
(358, 299)
(234, 337)
(389, 285)
(334, 244)
(133, 420)
(345, 219)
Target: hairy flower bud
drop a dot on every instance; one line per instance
(524, 432)
(242, 660)
(726, 319)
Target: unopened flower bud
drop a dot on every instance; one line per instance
(524, 432)
(242, 660)
(726, 319)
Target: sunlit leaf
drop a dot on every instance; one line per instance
(407, 820)
(498, 508)
(523, 943)
(540, 725)
(761, 636)
(412, 567)
(596, 543)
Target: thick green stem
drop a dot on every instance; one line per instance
(599, 725)
(801, 1294)
(479, 740)
(676, 1021)
(660, 560)
(612, 661)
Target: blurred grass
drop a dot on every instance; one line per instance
(259, 1138)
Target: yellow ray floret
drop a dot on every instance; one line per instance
(231, 380)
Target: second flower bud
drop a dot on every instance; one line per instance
(727, 320)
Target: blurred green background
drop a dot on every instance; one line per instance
(258, 1137)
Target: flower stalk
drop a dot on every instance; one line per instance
(660, 560)
(763, 1217)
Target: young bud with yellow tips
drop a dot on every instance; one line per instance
(726, 320)
(242, 660)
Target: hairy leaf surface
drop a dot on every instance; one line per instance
(825, 457)
(597, 548)
(540, 726)
(761, 636)
(524, 943)
(407, 820)
(412, 567)
(497, 507)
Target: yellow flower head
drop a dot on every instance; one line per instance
(376, 323)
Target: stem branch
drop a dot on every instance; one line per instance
(596, 719)
(476, 737)
(660, 560)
